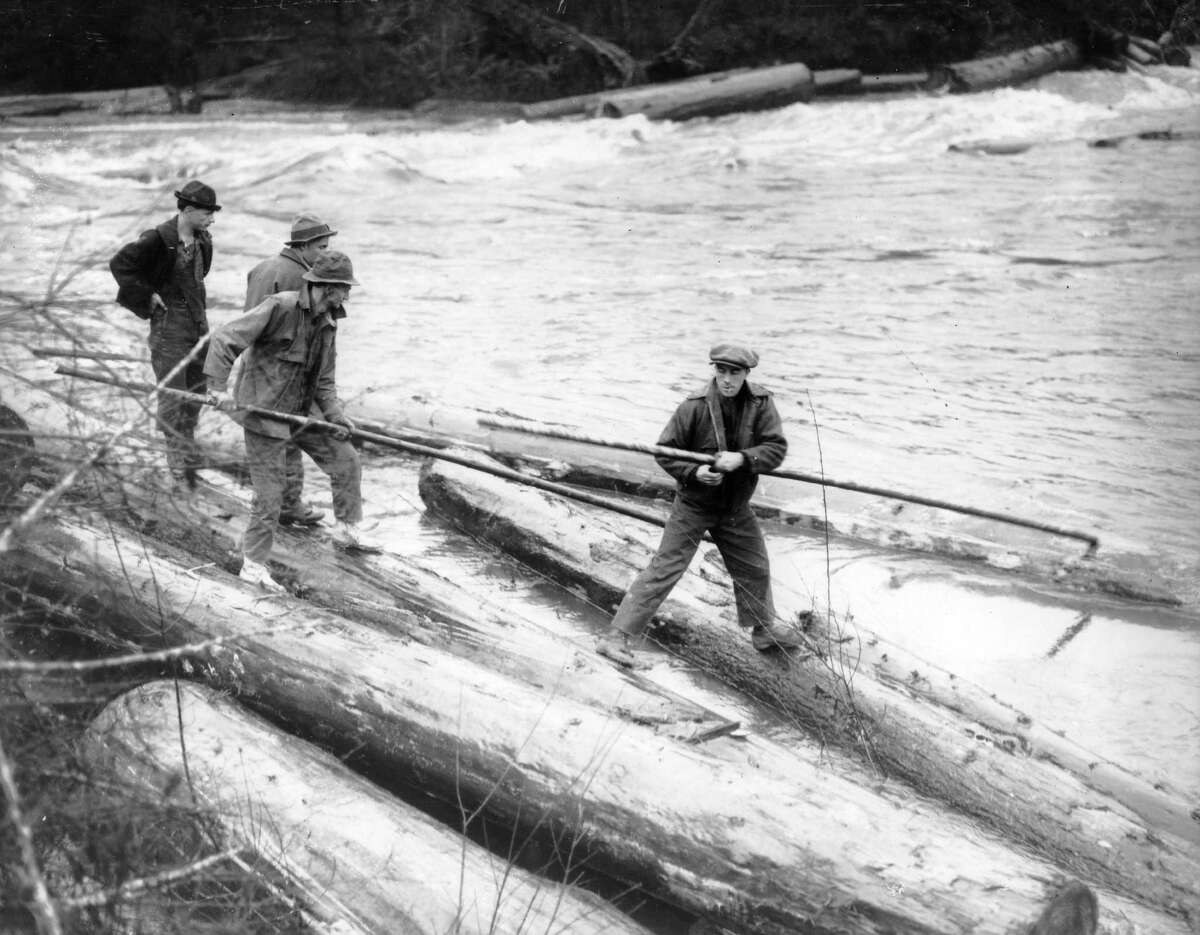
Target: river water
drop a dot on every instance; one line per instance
(1014, 331)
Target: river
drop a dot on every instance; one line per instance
(1018, 332)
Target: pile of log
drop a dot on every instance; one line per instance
(489, 715)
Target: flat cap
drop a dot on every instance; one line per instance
(199, 195)
(306, 227)
(736, 355)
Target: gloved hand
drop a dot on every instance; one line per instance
(347, 427)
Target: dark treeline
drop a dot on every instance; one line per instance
(397, 52)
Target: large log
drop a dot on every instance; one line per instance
(1011, 69)
(756, 89)
(742, 833)
(343, 844)
(588, 104)
(966, 749)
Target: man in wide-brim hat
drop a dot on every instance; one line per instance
(289, 356)
(308, 239)
(160, 278)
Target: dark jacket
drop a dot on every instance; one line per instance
(758, 435)
(289, 361)
(143, 267)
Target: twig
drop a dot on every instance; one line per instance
(133, 888)
(43, 909)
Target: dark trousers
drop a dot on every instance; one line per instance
(739, 540)
(268, 474)
(170, 342)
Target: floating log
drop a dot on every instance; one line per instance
(890, 84)
(1007, 70)
(756, 89)
(961, 746)
(350, 850)
(744, 834)
(588, 104)
(833, 81)
(1143, 51)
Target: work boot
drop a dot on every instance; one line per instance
(260, 575)
(614, 645)
(775, 636)
(300, 514)
(350, 536)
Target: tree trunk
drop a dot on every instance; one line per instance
(755, 89)
(351, 851)
(744, 834)
(1014, 68)
(989, 761)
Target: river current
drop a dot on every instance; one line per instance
(1016, 330)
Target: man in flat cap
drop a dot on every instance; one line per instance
(735, 422)
(287, 343)
(310, 238)
(160, 277)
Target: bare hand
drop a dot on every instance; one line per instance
(707, 476)
(728, 461)
(157, 304)
(223, 400)
(347, 426)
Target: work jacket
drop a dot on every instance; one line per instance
(289, 357)
(144, 266)
(758, 435)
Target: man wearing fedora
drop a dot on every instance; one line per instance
(284, 272)
(288, 348)
(735, 422)
(160, 278)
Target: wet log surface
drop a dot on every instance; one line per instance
(740, 832)
(352, 852)
(1022, 65)
(988, 763)
(730, 92)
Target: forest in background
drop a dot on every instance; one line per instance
(394, 53)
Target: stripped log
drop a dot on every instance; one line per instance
(834, 81)
(588, 104)
(1012, 69)
(965, 748)
(744, 834)
(757, 89)
(341, 843)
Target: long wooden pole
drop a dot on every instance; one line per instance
(657, 450)
(387, 441)
(514, 425)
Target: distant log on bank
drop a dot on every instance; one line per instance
(350, 850)
(711, 95)
(741, 833)
(984, 762)
(1014, 68)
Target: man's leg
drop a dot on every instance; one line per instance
(740, 541)
(295, 510)
(681, 537)
(177, 418)
(340, 461)
(266, 457)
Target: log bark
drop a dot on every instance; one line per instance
(970, 751)
(1007, 70)
(350, 850)
(744, 834)
(757, 89)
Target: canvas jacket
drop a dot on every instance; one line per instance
(143, 267)
(758, 436)
(289, 359)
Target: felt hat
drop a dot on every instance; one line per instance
(332, 267)
(199, 195)
(306, 227)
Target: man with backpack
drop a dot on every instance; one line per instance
(160, 278)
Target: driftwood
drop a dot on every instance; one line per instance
(1014, 68)
(349, 850)
(744, 834)
(756, 89)
(988, 761)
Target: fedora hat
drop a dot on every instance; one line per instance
(332, 267)
(306, 227)
(198, 194)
